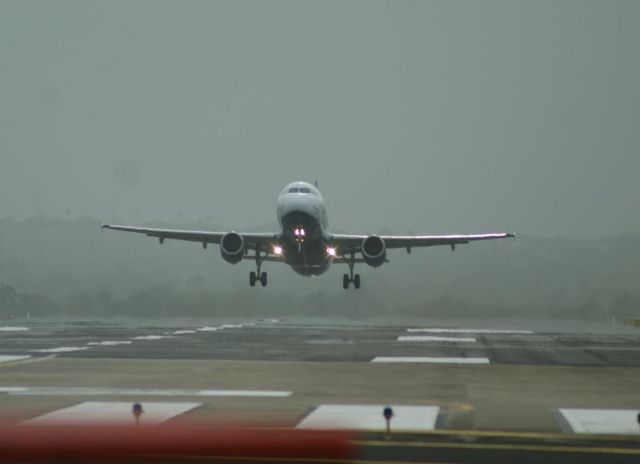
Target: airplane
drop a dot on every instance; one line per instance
(304, 241)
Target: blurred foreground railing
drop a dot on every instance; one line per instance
(167, 443)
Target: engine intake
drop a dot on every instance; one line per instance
(374, 251)
(232, 247)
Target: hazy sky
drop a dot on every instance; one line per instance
(414, 116)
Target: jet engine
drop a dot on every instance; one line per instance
(232, 247)
(374, 251)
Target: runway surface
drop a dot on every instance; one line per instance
(273, 340)
(438, 377)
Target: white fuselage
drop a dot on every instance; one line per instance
(302, 215)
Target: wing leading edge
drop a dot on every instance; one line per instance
(410, 241)
(252, 239)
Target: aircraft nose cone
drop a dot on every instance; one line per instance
(298, 203)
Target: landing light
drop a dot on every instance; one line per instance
(331, 251)
(277, 250)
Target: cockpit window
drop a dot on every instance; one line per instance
(300, 190)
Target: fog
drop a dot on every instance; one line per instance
(421, 117)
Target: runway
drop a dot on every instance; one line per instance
(273, 340)
(269, 372)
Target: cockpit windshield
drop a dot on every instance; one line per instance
(299, 190)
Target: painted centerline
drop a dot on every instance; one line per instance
(429, 360)
(111, 343)
(431, 338)
(475, 331)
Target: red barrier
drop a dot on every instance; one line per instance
(35, 443)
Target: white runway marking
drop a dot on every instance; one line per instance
(181, 332)
(254, 393)
(151, 337)
(111, 343)
(112, 412)
(13, 329)
(428, 338)
(27, 360)
(431, 360)
(88, 391)
(11, 358)
(62, 349)
(231, 326)
(12, 389)
(369, 417)
(475, 331)
(610, 421)
(222, 327)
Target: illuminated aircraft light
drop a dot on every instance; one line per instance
(277, 250)
(302, 232)
(331, 251)
(296, 232)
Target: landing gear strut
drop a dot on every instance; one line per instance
(258, 275)
(348, 278)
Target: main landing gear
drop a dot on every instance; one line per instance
(258, 275)
(351, 277)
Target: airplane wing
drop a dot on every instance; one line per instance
(204, 237)
(353, 242)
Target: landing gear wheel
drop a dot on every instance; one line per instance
(345, 281)
(356, 281)
(252, 279)
(263, 279)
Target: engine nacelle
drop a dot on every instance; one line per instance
(374, 251)
(232, 247)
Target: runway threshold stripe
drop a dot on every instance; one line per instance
(112, 412)
(599, 421)
(475, 331)
(13, 329)
(370, 417)
(81, 391)
(429, 360)
(430, 338)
